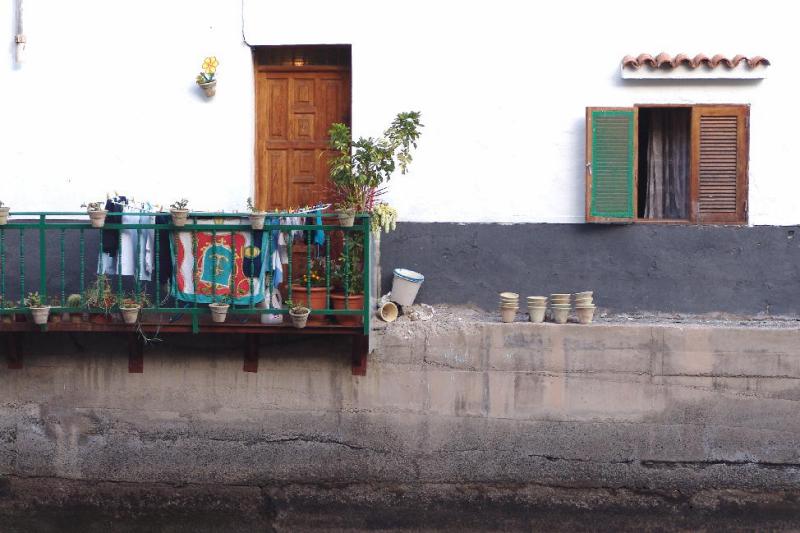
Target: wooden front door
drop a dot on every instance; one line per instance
(295, 108)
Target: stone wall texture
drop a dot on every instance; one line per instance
(471, 426)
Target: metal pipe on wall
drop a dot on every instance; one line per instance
(20, 38)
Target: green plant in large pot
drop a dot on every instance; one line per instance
(362, 168)
(348, 278)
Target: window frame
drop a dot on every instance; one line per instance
(695, 217)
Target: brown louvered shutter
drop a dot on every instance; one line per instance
(610, 164)
(719, 164)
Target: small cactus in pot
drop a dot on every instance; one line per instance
(39, 310)
(256, 215)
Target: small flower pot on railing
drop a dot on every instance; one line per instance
(347, 217)
(40, 315)
(97, 218)
(130, 314)
(219, 312)
(179, 216)
(4, 215)
(257, 220)
(299, 316)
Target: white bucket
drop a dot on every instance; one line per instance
(405, 286)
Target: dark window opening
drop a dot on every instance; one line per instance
(664, 163)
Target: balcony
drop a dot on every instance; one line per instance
(173, 273)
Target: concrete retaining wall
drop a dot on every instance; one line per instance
(519, 418)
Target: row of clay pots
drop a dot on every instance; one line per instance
(179, 218)
(560, 307)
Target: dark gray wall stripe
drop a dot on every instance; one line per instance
(690, 269)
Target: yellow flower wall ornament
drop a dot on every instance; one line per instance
(207, 78)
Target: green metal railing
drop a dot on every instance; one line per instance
(65, 238)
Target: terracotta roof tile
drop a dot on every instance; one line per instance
(665, 61)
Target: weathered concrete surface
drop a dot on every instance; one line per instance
(519, 423)
(631, 267)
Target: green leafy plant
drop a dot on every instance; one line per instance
(74, 301)
(361, 168)
(99, 295)
(348, 269)
(223, 299)
(33, 299)
(296, 309)
(316, 274)
(135, 300)
(251, 206)
(180, 205)
(1, 203)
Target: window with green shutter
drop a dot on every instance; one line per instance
(637, 168)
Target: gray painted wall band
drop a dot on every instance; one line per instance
(669, 268)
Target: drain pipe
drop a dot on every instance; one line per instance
(20, 38)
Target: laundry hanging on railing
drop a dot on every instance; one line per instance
(210, 265)
(128, 252)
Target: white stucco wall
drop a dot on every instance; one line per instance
(106, 99)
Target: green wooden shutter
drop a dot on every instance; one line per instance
(610, 169)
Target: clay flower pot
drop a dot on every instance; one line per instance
(40, 315)
(4, 215)
(508, 314)
(355, 302)
(317, 301)
(560, 314)
(299, 316)
(388, 312)
(347, 217)
(536, 313)
(98, 218)
(179, 216)
(210, 88)
(218, 312)
(130, 314)
(257, 220)
(585, 313)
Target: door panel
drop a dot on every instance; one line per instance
(295, 112)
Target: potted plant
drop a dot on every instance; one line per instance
(4, 209)
(97, 215)
(180, 212)
(256, 216)
(130, 306)
(362, 168)
(74, 302)
(219, 309)
(317, 299)
(100, 299)
(39, 311)
(348, 278)
(298, 313)
(207, 78)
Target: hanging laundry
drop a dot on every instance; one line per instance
(134, 247)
